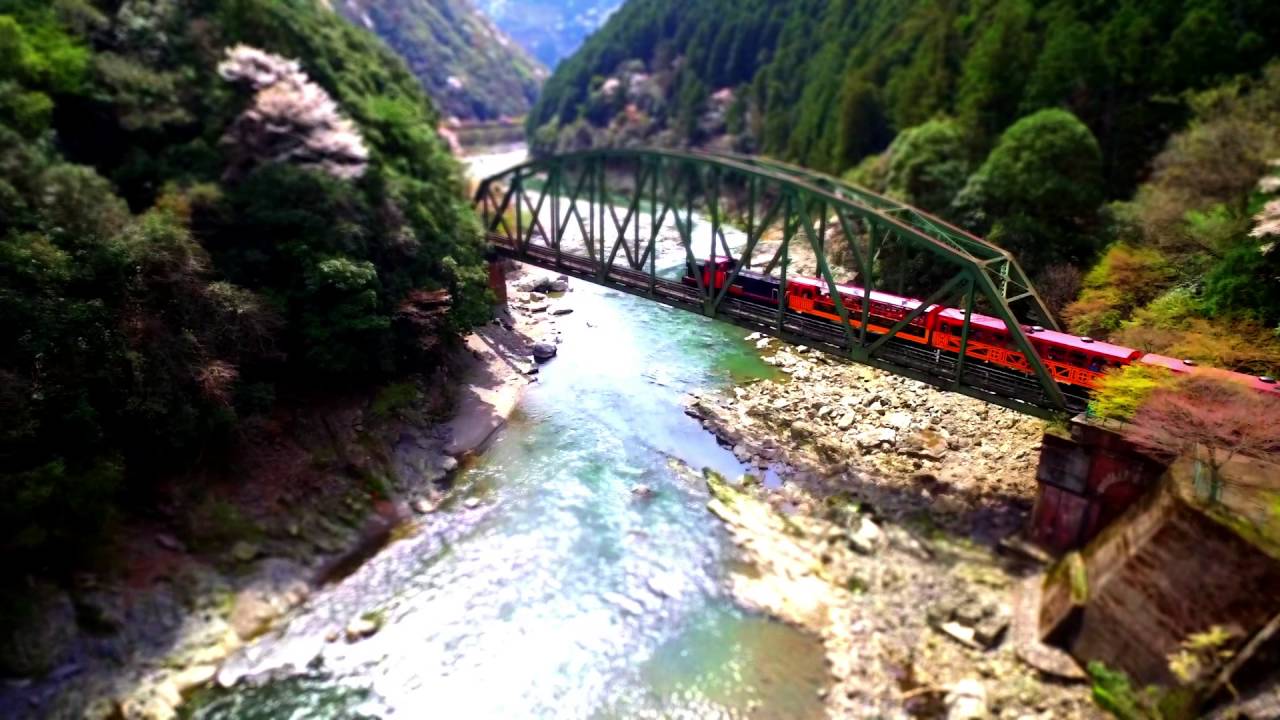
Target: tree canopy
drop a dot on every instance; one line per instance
(178, 247)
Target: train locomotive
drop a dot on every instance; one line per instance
(1074, 362)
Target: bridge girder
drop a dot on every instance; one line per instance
(528, 209)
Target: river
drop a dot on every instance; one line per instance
(563, 594)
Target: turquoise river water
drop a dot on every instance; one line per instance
(562, 595)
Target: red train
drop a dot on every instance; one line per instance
(1071, 360)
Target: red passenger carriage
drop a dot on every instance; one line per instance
(1072, 360)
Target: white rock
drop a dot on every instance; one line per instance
(899, 420)
(194, 677)
(360, 628)
(967, 700)
(868, 537)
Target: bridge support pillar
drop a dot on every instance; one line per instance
(1086, 481)
(498, 277)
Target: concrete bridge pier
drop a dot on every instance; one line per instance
(1086, 480)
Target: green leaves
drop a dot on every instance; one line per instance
(36, 58)
(147, 297)
(1038, 192)
(929, 164)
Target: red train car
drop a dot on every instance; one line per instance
(1071, 360)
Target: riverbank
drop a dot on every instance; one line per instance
(882, 536)
(306, 496)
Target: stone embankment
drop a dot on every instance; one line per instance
(881, 536)
(314, 495)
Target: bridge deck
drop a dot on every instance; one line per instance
(986, 382)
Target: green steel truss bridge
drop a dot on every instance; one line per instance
(619, 217)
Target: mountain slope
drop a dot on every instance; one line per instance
(203, 206)
(550, 29)
(1130, 137)
(468, 66)
(827, 82)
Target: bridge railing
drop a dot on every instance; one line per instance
(637, 218)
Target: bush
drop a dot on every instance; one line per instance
(1239, 344)
(1121, 392)
(1113, 691)
(1125, 278)
(928, 164)
(1243, 282)
(1037, 194)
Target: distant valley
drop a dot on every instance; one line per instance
(549, 29)
(469, 67)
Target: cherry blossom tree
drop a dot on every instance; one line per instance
(1210, 419)
(291, 120)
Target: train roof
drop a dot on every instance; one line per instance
(1063, 340)
(876, 295)
(1084, 344)
(1180, 366)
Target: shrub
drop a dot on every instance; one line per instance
(1238, 344)
(1114, 692)
(1244, 282)
(1039, 190)
(1059, 285)
(928, 164)
(1125, 277)
(1213, 419)
(1121, 392)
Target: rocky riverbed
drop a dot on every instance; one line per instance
(306, 497)
(882, 536)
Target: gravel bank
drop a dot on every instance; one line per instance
(881, 537)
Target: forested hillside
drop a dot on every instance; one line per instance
(1023, 120)
(827, 82)
(469, 67)
(203, 206)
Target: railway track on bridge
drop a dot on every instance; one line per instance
(581, 213)
(926, 364)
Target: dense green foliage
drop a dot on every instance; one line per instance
(147, 299)
(1038, 191)
(1188, 274)
(1018, 119)
(1122, 392)
(927, 165)
(1114, 692)
(470, 70)
(830, 81)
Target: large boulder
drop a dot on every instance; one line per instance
(544, 351)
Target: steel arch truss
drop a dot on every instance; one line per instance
(606, 215)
